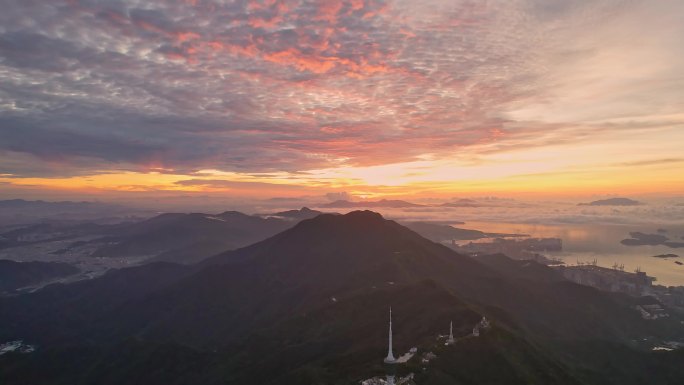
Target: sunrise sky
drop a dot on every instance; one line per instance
(373, 98)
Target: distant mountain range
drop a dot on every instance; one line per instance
(174, 237)
(464, 203)
(613, 202)
(183, 238)
(20, 211)
(189, 238)
(297, 215)
(398, 204)
(64, 205)
(309, 306)
(383, 203)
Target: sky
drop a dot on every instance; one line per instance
(355, 99)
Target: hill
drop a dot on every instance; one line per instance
(520, 269)
(297, 215)
(15, 275)
(20, 211)
(189, 238)
(440, 232)
(463, 203)
(613, 202)
(308, 306)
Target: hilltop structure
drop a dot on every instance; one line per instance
(390, 357)
(451, 333)
(483, 324)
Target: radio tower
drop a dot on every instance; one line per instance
(451, 333)
(390, 357)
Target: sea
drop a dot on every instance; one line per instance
(601, 242)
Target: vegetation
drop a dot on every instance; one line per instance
(309, 306)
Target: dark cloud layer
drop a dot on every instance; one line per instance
(274, 85)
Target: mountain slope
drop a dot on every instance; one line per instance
(334, 255)
(295, 215)
(520, 269)
(308, 305)
(15, 275)
(441, 232)
(353, 249)
(188, 238)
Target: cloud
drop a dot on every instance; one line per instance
(92, 86)
(653, 162)
(339, 196)
(229, 185)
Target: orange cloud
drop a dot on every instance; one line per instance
(355, 5)
(328, 10)
(292, 57)
(185, 36)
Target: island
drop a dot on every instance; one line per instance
(666, 256)
(613, 202)
(643, 239)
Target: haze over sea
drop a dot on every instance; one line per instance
(588, 242)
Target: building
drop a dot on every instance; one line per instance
(483, 324)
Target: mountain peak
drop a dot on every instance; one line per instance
(232, 213)
(364, 214)
(613, 202)
(347, 222)
(359, 248)
(368, 215)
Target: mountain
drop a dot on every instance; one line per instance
(63, 205)
(497, 357)
(15, 275)
(383, 203)
(440, 232)
(188, 238)
(520, 269)
(47, 232)
(613, 202)
(464, 203)
(309, 305)
(20, 211)
(297, 215)
(340, 253)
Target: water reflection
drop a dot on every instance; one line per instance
(586, 242)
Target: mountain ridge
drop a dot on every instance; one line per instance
(315, 297)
